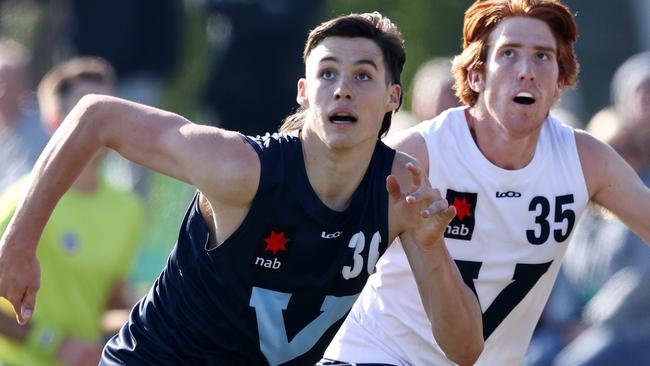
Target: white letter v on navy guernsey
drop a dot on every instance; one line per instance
(274, 344)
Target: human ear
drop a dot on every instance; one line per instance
(395, 91)
(301, 97)
(475, 80)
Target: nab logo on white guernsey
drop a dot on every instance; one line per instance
(462, 226)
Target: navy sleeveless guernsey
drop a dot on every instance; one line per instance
(276, 291)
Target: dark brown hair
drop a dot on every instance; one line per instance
(372, 26)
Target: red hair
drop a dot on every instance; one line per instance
(483, 17)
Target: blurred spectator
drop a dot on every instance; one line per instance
(85, 249)
(242, 93)
(141, 40)
(594, 310)
(433, 89)
(431, 94)
(21, 135)
(631, 90)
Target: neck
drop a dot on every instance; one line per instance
(501, 147)
(334, 174)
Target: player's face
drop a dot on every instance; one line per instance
(520, 81)
(346, 92)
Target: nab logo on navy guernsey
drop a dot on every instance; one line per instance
(462, 226)
(274, 242)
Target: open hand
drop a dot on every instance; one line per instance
(424, 213)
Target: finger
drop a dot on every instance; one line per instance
(27, 305)
(15, 301)
(15, 297)
(441, 208)
(416, 174)
(393, 188)
(451, 212)
(435, 208)
(424, 196)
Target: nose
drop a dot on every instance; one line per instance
(525, 71)
(343, 89)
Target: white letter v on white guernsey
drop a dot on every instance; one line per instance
(274, 344)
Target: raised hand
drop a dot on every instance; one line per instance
(20, 275)
(423, 211)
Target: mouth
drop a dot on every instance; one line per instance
(524, 98)
(341, 118)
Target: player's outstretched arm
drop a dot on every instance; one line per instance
(613, 184)
(218, 162)
(452, 308)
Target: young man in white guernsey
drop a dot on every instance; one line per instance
(519, 180)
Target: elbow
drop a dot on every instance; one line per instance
(93, 102)
(89, 114)
(469, 355)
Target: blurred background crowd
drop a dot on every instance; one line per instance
(234, 64)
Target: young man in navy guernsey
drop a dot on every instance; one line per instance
(285, 229)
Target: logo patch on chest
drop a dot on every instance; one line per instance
(273, 248)
(462, 226)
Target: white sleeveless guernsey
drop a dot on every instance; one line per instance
(508, 239)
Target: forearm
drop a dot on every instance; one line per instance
(73, 146)
(452, 308)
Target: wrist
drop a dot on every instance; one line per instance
(22, 246)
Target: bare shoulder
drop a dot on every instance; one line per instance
(600, 163)
(228, 167)
(613, 184)
(411, 142)
(220, 163)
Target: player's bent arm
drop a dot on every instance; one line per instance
(450, 305)
(219, 163)
(613, 184)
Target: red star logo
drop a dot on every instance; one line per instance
(462, 208)
(275, 242)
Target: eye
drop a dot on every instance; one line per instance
(543, 56)
(362, 76)
(508, 53)
(327, 74)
